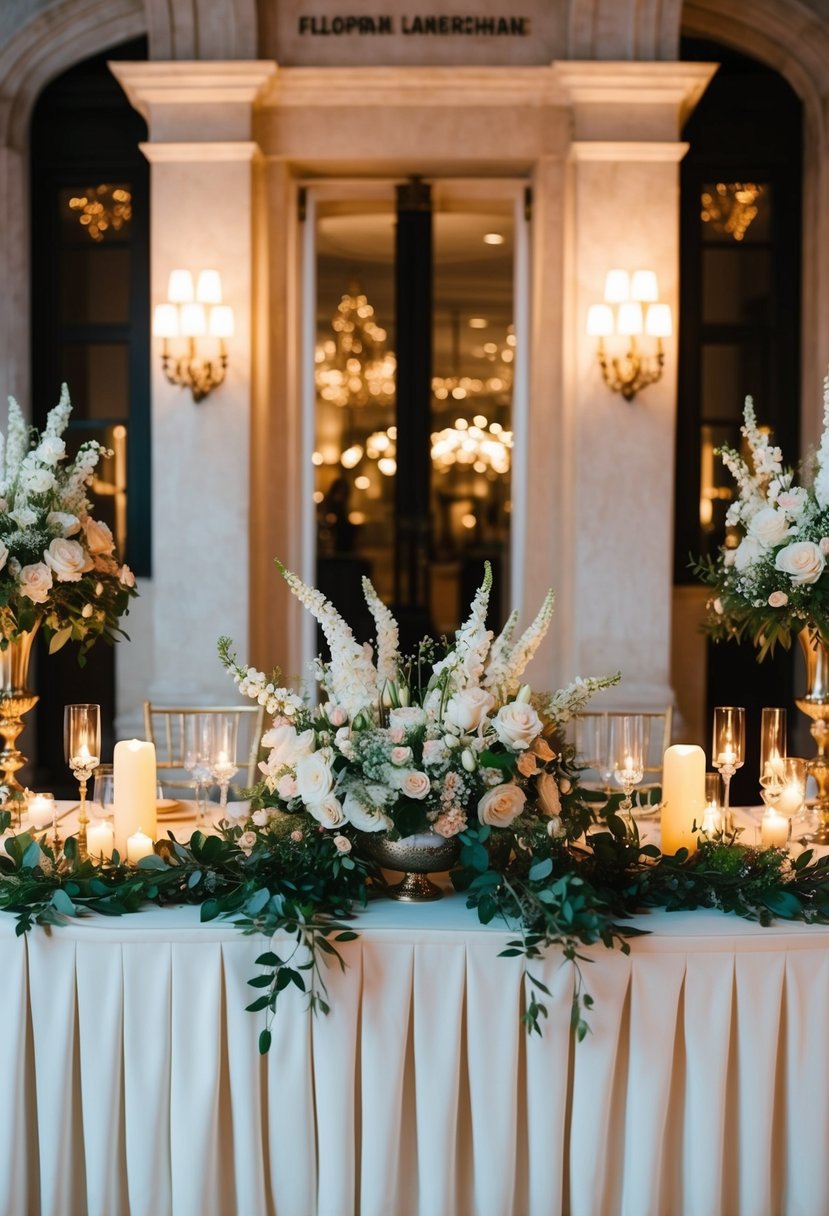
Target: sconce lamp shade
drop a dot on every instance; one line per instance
(209, 287)
(629, 319)
(644, 287)
(165, 321)
(193, 320)
(658, 321)
(617, 286)
(180, 289)
(599, 320)
(220, 324)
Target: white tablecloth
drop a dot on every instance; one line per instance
(133, 1082)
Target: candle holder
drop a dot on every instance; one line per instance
(224, 739)
(773, 747)
(729, 750)
(627, 753)
(712, 816)
(82, 748)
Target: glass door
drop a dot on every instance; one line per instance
(410, 415)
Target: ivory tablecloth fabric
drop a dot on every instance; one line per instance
(133, 1083)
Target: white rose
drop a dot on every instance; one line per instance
(314, 778)
(36, 582)
(286, 745)
(342, 844)
(328, 811)
(792, 501)
(516, 725)
(51, 449)
(247, 842)
(24, 517)
(803, 561)
(4, 555)
(466, 708)
(769, 527)
(414, 784)
(548, 794)
(98, 536)
(407, 716)
(286, 786)
(68, 524)
(365, 819)
(555, 827)
(748, 550)
(500, 805)
(40, 481)
(260, 817)
(66, 559)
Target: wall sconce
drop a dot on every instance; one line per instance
(191, 319)
(631, 309)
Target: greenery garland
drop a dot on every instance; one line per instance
(563, 891)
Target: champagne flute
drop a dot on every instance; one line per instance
(728, 750)
(198, 756)
(772, 742)
(591, 745)
(627, 755)
(82, 747)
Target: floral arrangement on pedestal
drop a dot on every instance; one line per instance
(770, 579)
(436, 741)
(58, 566)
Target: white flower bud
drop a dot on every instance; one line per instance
(524, 694)
(451, 741)
(468, 760)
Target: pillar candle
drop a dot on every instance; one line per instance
(139, 845)
(41, 811)
(774, 830)
(100, 839)
(683, 796)
(135, 791)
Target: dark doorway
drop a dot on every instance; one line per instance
(90, 328)
(740, 332)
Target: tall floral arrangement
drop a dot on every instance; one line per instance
(428, 742)
(58, 565)
(770, 578)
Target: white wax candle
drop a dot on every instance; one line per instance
(100, 839)
(790, 799)
(712, 820)
(727, 756)
(139, 845)
(135, 790)
(683, 796)
(774, 830)
(41, 811)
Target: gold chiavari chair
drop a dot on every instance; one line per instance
(166, 727)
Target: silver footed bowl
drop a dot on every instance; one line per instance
(415, 859)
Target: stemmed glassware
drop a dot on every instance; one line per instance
(772, 742)
(728, 751)
(198, 756)
(82, 748)
(224, 766)
(592, 746)
(627, 756)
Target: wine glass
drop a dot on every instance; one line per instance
(591, 745)
(102, 805)
(784, 788)
(82, 748)
(224, 766)
(198, 756)
(728, 749)
(627, 756)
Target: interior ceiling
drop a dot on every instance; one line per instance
(471, 278)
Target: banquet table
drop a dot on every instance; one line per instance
(134, 1084)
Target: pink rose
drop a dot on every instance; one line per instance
(400, 756)
(337, 716)
(415, 784)
(342, 844)
(98, 536)
(36, 582)
(67, 560)
(500, 805)
(778, 599)
(287, 787)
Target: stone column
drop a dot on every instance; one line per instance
(619, 525)
(202, 157)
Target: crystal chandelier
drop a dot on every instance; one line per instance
(495, 380)
(732, 207)
(102, 208)
(354, 367)
(479, 445)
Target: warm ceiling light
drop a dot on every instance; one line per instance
(493, 238)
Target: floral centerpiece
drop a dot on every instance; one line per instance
(425, 743)
(770, 579)
(58, 566)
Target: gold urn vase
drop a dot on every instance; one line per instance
(15, 701)
(815, 704)
(417, 857)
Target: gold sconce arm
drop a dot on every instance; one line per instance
(192, 371)
(633, 371)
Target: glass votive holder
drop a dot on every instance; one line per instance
(102, 805)
(41, 811)
(712, 815)
(775, 829)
